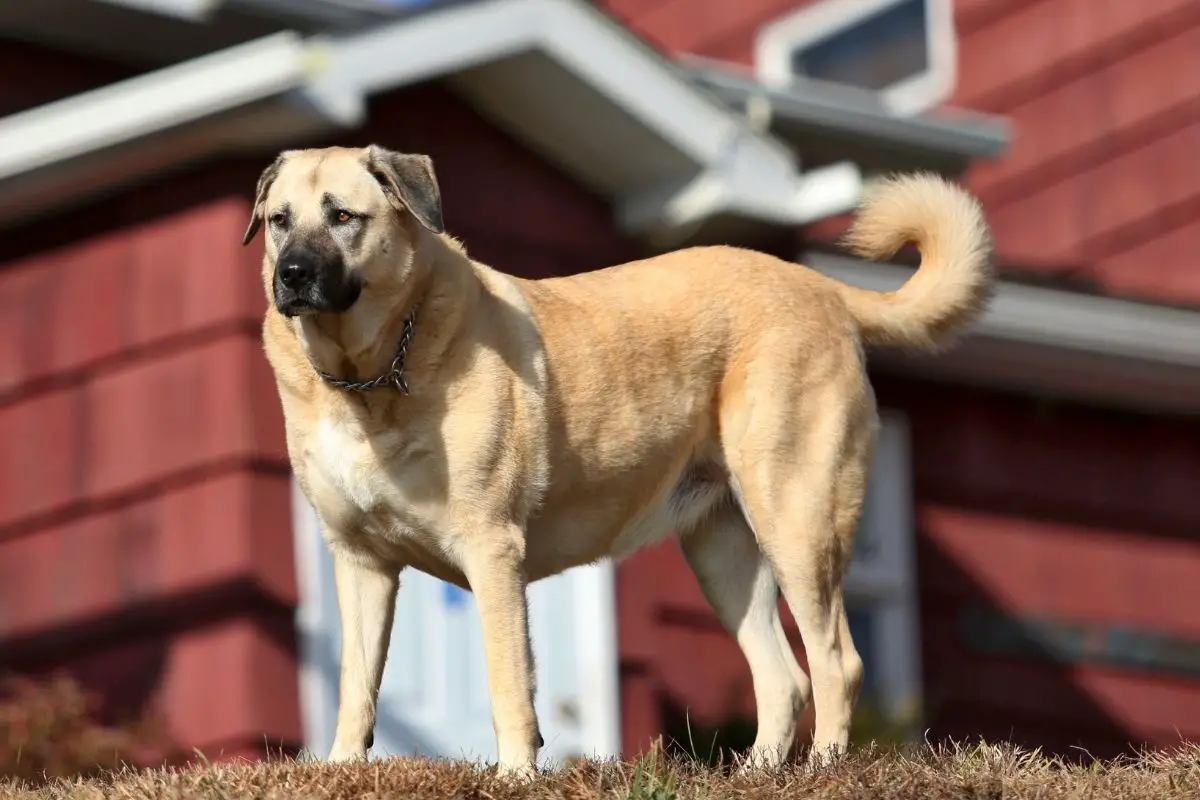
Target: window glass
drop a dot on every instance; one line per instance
(875, 54)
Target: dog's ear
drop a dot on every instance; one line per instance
(260, 198)
(409, 183)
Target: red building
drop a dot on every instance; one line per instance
(1048, 464)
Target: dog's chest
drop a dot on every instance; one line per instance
(349, 473)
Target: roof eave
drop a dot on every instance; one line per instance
(252, 95)
(624, 122)
(1055, 342)
(817, 116)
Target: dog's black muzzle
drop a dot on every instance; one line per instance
(307, 280)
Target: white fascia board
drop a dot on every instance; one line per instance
(1053, 317)
(439, 42)
(150, 103)
(317, 12)
(1054, 343)
(191, 10)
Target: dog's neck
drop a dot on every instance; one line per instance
(362, 346)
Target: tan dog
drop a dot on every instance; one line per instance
(505, 430)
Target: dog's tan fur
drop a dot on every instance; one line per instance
(715, 393)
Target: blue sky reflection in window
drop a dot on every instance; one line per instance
(878, 52)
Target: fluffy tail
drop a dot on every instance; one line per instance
(955, 279)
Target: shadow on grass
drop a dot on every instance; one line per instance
(727, 741)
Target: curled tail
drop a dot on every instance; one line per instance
(955, 279)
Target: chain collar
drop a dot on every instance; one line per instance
(393, 377)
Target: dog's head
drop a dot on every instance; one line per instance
(341, 222)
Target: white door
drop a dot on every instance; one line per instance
(434, 697)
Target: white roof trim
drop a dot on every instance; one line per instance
(1088, 347)
(676, 208)
(192, 10)
(150, 103)
(1070, 320)
(851, 114)
(737, 170)
(575, 35)
(747, 172)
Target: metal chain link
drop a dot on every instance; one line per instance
(394, 376)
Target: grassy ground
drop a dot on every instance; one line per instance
(982, 771)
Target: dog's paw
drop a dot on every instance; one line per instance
(761, 758)
(346, 755)
(521, 772)
(822, 757)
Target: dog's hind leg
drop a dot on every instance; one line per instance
(801, 485)
(739, 585)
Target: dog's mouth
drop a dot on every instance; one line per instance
(312, 300)
(296, 307)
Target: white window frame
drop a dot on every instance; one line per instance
(883, 580)
(777, 41)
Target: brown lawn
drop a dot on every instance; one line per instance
(981, 771)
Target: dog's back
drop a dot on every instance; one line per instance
(655, 364)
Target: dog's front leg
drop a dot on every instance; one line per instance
(495, 572)
(366, 595)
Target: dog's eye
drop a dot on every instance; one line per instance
(344, 217)
(279, 219)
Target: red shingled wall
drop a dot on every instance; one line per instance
(1102, 174)
(1053, 512)
(142, 477)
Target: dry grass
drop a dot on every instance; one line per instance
(982, 771)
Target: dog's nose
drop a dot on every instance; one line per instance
(295, 273)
